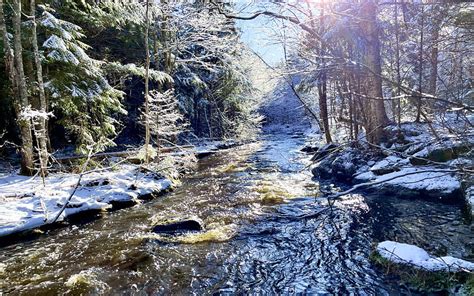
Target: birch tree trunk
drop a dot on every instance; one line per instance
(42, 126)
(26, 150)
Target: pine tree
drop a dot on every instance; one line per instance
(79, 91)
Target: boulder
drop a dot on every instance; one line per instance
(323, 169)
(341, 166)
(310, 149)
(347, 164)
(440, 153)
(179, 227)
(324, 151)
(388, 165)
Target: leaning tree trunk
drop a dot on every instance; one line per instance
(42, 126)
(26, 150)
(377, 118)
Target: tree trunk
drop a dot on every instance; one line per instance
(323, 106)
(377, 119)
(8, 52)
(41, 127)
(420, 68)
(399, 77)
(322, 86)
(434, 60)
(26, 150)
(147, 70)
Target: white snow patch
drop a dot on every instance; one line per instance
(389, 161)
(419, 258)
(27, 204)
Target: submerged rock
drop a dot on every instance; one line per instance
(179, 227)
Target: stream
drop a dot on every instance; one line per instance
(267, 232)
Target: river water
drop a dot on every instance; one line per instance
(267, 232)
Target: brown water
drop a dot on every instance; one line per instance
(266, 233)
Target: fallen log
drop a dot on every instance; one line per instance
(128, 153)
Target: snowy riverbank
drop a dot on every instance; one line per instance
(28, 204)
(410, 163)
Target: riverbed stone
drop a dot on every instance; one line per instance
(179, 227)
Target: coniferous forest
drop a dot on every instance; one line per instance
(236, 147)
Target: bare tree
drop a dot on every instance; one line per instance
(42, 126)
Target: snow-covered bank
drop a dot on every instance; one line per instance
(412, 181)
(411, 162)
(26, 204)
(417, 257)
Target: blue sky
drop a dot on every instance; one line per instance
(259, 33)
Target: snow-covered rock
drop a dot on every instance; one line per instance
(388, 165)
(419, 258)
(413, 181)
(26, 204)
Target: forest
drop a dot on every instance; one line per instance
(236, 147)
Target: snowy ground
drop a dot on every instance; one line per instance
(419, 258)
(27, 204)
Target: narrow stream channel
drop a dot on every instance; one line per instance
(264, 235)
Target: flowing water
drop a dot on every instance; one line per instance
(266, 233)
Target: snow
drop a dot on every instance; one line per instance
(27, 204)
(419, 258)
(55, 42)
(29, 113)
(424, 178)
(389, 161)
